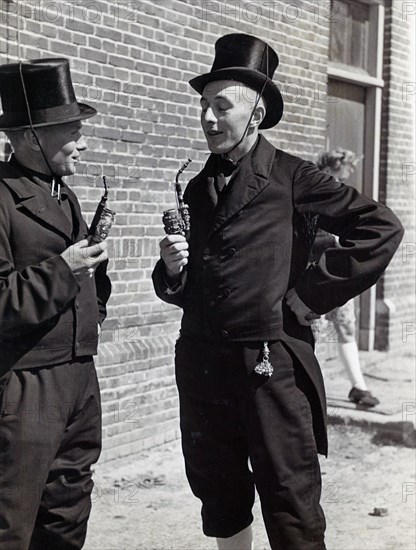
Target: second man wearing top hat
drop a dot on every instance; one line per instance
(249, 384)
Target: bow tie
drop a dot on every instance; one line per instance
(223, 169)
(225, 166)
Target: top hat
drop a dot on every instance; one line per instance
(45, 87)
(247, 59)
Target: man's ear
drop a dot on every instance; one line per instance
(30, 139)
(258, 116)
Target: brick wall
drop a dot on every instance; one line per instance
(132, 61)
(397, 182)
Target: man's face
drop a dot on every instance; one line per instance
(226, 108)
(62, 145)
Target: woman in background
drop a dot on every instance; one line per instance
(341, 164)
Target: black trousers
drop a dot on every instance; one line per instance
(230, 414)
(50, 434)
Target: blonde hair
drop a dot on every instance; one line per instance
(333, 160)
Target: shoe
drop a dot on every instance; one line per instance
(363, 398)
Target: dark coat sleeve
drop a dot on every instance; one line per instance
(103, 286)
(34, 295)
(161, 286)
(369, 234)
(102, 281)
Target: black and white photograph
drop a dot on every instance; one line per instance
(207, 275)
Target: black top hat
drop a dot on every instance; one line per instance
(247, 59)
(49, 94)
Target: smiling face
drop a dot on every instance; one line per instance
(226, 108)
(62, 145)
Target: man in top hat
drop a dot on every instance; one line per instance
(53, 294)
(249, 384)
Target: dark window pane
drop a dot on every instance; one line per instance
(339, 31)
(349, 33)
(359, 36)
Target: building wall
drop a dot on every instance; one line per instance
(132, 61)
(396, 320)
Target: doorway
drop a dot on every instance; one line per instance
(346, 116)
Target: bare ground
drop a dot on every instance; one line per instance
(359, 476)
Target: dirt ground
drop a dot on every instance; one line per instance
(359, 475)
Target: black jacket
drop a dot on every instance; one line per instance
(246, 252)
(47, 314)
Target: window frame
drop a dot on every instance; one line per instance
(373, 83)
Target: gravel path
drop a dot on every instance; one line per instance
(358, 476)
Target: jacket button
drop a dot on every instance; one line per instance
(232, 252)
(76, 305)
(224, 334)
(227, 292)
